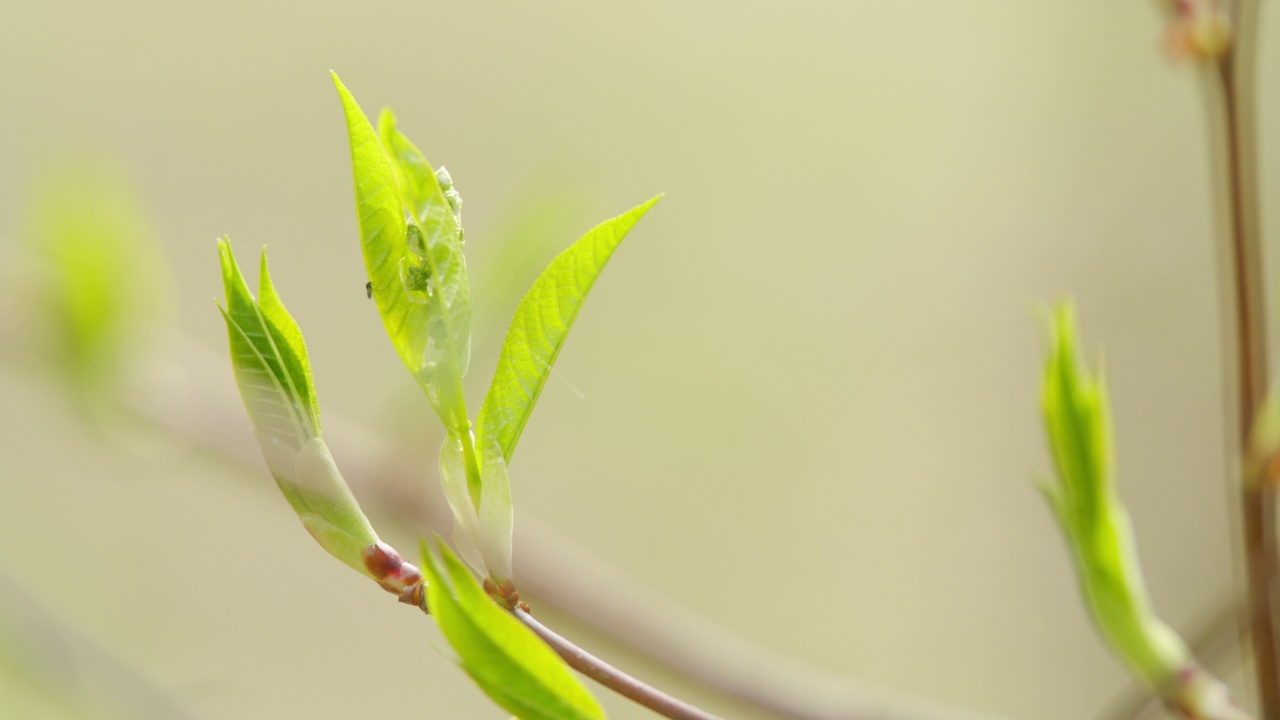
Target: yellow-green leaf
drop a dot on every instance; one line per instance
(509, 663)
(540, 327)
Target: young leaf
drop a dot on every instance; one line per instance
(1094, 519)
(384, 238)
(273, 374)
(540, 326)
(269, 357)
(435, 238)
(442, 237)
(509, 663)
(482, 521)
(412, 251)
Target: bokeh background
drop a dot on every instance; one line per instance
(803, 401)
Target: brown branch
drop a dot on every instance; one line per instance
(611, 677)
(1233, 74)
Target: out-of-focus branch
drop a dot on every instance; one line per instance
(1212, 642)
(553, 570)
(79, 665)
(1233, 98)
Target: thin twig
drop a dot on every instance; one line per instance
(611, 677)
(1233, 73)
(1211, 642)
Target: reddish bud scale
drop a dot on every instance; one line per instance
(389, 569)
(503, 593)
(415, 595)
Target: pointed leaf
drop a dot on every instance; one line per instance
(442, 237)
(540, 326)
(272, 371)
(509, 663)
(269, 360)
(384, 239)
(1093, 518)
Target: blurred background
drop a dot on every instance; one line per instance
(802, 402)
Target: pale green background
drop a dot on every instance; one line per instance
(803, 400)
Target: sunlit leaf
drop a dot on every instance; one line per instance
(509, 663)
(413, 254)
(383, 237)
(273, 374)
(540, 326)
(436, 242)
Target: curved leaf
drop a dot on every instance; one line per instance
(1093, 517)
(540, 326)
(442, 238)
(509, 663)
(273, 374)
(383, 237)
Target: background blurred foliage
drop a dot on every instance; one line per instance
(99, 285)
(804, 405)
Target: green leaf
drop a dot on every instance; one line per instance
(509, 663)
(273, 373)
(1092, 516)
(448, 351)
(412, 248)
(383, 237)
(482, 525)
(540, 326)
(269, 358)
(442, 236)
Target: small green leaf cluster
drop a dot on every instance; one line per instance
(411, 235)
(1092, 516)
(273, 374)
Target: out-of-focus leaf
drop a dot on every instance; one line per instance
(106, 285)
(1094, 519)
(274, 377)
(540, 326)
(509, 663)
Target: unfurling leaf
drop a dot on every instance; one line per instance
(1098, 533)
(412, 246)
(540, 326)
(509, 663)
(274, 377)
(1093, 518)
(483, 514)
